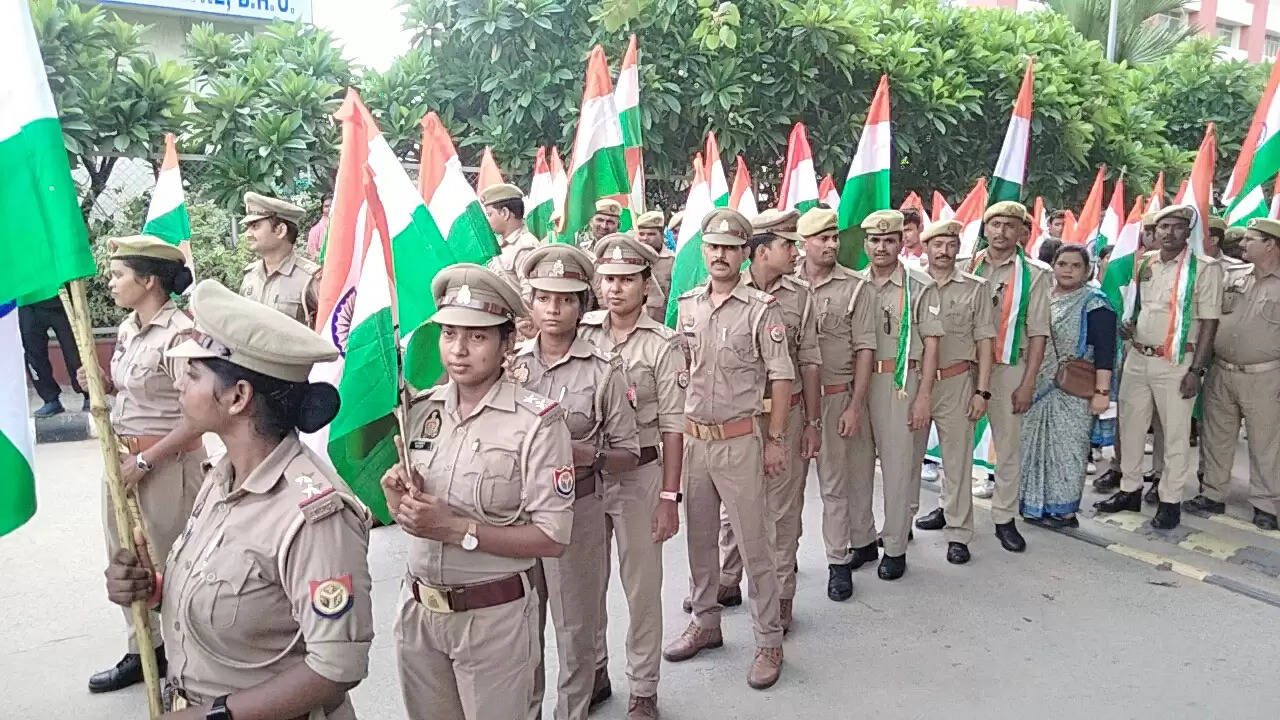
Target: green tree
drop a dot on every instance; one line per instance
(1141, 35)
(114, 98)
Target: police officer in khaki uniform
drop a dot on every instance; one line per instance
(504, 208)
(640, 505)
(649, 232)
(907, 320)
(1244, 381)
(1214, 241)
(737, 341)
(280, 278)
(604, 222)
(842, 306)
(160, 455)
(1021, 323)
(599, 404)
(265, 600)
(1233, 243)
(961, 392)
(1159, 377)
(494, 465)
(772, 252)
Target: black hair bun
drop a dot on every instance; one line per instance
(319, 406)
(182, 280)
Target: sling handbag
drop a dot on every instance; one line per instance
(1075, 376)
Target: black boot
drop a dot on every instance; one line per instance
(1153, 495)
(601, 689)
(863, 555)
(1203, 504)
(892, 567)
(1131, 501)
(957, 553)
(1264, 520)
(1010, 538)
(1108, 481)
(126, 672)
(840, 582)
(1168, 515)
(935, 520)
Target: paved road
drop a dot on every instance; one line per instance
(1070, 629)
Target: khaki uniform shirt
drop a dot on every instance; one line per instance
(293, 289)
(796, 302)
(999, 277)
(267, 576)
(887, 312)
(655, 303)
(507, 264)
(656, 366)
(1156, 280)
(662, 269)
(146, 400)
(592, 386)
(734, 350)
(1249, 331)
(966, 317)
(509, 458)
(842, 305)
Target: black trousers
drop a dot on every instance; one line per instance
(35, 322)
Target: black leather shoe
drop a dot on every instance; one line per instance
(1201, 503)
(601, 690)
(957, 553)
(1108, 481)
(1168, 515)
(1131, 501)
(126, 672)
(935, 520)
(864, 555)
(1010, 538)
(839, 582)
(1056, 522)
(1153, 494)
(729, 596)
(892, 567)
(1264, 520)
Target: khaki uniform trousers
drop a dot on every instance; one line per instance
(842, 475)
(1229, 397)
(1006, 433)
(165, 496)
(630, 500)
(896, 446)
(950, 408)
(1150, 388)
(572, 585)
(473, 665)
(732, 472)
(784, 495)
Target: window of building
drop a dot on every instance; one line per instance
(1173, 19)
(1272, 47)
(1226, 35)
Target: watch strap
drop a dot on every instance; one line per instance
(219, 709)
(672, 496)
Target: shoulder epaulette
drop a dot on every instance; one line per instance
(695, 290)
(424, 394)
(976, 278)
(540, 405)
(249, 268)
(1035, 263)
(321, 505)
(308, 265)
(524, 347)
(921, 277)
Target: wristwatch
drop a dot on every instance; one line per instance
(814, 423)
(1102, 391)
(142, 463)
(984, 394)
(674, 497)
(469, 540)
(219, 710)
(1199, 372)
(780, 438)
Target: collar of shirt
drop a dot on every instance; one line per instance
(160, 319)
(955, 276)
(1275, 271)
(579, 349)
(643, 321)
(286, 267)
(502, 396)
(511, 238)
(1157, 259)
(838, 272)
(265, 476)
(895, 277)
(750, 281)
(739, 292)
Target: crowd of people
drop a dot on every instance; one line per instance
(572, 420)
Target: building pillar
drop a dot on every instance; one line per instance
(1253, 37)
(1206, 17)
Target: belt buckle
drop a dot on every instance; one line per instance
(435, 600)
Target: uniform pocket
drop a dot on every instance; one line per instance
(1270, 311)
(501, 484)
(224, 579)
(957, 323)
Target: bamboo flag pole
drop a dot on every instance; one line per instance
(123, 505)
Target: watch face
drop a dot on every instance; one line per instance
(470, 542)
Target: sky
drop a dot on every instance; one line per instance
(369, 30)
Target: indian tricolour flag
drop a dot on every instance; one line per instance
(969, 215)
(559, 189)
(799, 189)
(866, 187)
(1011, 167)
(489, 175)
(167, 215)
(43, 240)
(1086, 228)
(1259, 159)
(1156, 202)
(598, 166)
(717, 183)
(942, 210)
(827, 194)
(383, 236)
(627, 98)
(912, 201)
(984, 449)
(689, 269)
(742, 196)
(1112, 220)
(1275, 201)
(540, 202)
(1118, 285)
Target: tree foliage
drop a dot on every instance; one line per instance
(1140, 36)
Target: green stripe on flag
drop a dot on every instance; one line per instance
(1002, 189)
(539, 220)
(687, 271)
(630, 119)
(17, 487)
(604, 175)
(172, 227)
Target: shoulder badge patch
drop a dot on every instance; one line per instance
(777, 333)
(682, 378)
(431, 428)
(520, 373)
(332, 598)
(320, 506)
(564, 480)
(688, 323)
(631, 397)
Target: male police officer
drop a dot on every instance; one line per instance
(280, 278)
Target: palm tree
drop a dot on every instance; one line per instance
(1141, 36)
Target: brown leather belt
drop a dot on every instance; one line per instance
(469, 597)
(585, 482)
(134, 444)
(888, 366)
(837, 389)
(795, 400)
(1251, 369)
(648, 454)
(726, 431)
(1158, 350)
(959, 368)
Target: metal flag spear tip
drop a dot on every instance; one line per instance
(124, 506)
